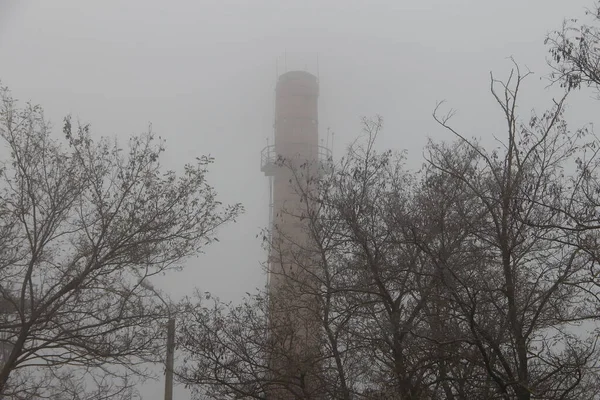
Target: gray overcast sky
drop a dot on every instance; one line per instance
(203, 73)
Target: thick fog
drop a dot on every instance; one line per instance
(203, 74)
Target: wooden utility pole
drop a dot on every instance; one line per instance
(170, 362)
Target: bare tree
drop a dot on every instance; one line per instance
(575, 51)
(365, 288)
(83, 224)
(225, 348)
(523, 296)
(387, 283)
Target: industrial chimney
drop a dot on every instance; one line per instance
(293, 164)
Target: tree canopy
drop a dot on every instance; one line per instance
(84, 223)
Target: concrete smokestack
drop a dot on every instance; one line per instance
(293, 163)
